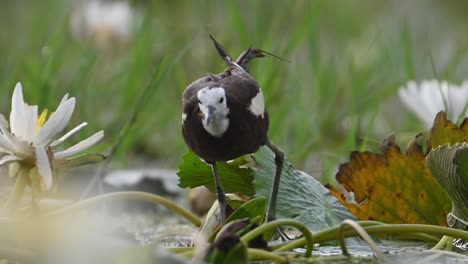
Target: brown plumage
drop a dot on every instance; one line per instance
(246, 132)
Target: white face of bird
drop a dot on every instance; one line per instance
(213, 104)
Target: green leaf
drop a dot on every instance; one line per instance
(253, 209)
(243, 208)
(193, 172)
(449, 166)
(461, 159)
(300, 196)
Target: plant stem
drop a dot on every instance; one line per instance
(18, 190)
(379, 228)
(288, 246)
(446, 242)
(141, 196)
(320, 236)
(282, 222)
(330, 233)
(449, 244)
(442, 242)
(259, 254)
(415, 228)
(253, 254)
(364, 236)
(418, 236)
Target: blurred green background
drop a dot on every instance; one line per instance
(336, 94)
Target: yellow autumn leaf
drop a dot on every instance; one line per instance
(396, 187)
(392, 187)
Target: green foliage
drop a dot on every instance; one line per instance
(253, 209)
(461, 160)
(193, 172)
(449, 166)
(300, 196)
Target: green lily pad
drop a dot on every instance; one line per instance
(449, 166)
(461, 159)
(300, 196)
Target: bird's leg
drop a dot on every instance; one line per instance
(271, 213)
(219, 193)
(279, 160)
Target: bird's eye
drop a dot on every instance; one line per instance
(221, 100)
(199, 101)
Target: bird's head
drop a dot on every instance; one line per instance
(212, 102)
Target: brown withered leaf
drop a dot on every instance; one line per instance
(392, 187)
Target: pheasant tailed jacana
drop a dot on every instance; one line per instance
(224, 117)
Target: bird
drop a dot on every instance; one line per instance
(224, 117)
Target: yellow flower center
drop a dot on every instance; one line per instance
(41, 120)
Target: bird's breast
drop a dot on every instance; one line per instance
(245, 134)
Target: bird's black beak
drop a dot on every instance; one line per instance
(211, 111)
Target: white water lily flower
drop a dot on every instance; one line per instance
(104, 21)
(431, 96)
(29, 141)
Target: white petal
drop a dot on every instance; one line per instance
(64, 99)
(4, 151)
(431, 100)
(424, 99)
(8, 158)
(56, 123)
(68, 134)
(23, 117)
(11, 143)
(3, 121)
(410, 95)
(43, 166)
(87, 143)
(17, 103)
(6, 144)
(29, 123)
